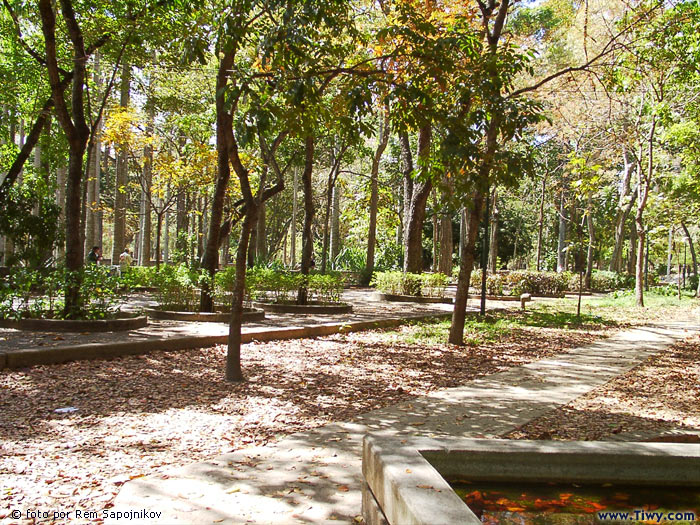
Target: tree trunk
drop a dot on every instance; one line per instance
(643, 186)
(159, 227)
(407, 172)
(669, 253)
(234, 371)
(591, 242)
(335, 223)
(145, 255)
(466, 265)
(295, 211)
(692, 247)
(493, 234)
(374, 195)
(540, 224)
(624, 207)
(413, 241)
(119, 234)
(436, 240)
(446, 245)
(224, 123)
(261, 234)
(307, 249)
(561, 245)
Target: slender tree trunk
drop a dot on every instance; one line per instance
(234, 371)
(307, 250)
(540, 224)
(374, 195)
(625, 205)
(224, 123)
(466, 265)
(561, 245)
(261, 234)
(643, 187)
(669, 254)
(692, 247)
(413, 242)
(159, 228)
(493, 232)
(145, 255)
(591, 242)
(335, 223)
(295, 211)
(119, 234)
(407, 172)
(436, 240)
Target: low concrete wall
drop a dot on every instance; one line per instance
(340, 308)
(407, 479)
(46, 356)
(413, 298)
(249, 314)
(61, 325)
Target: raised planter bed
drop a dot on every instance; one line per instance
(413, 298)
(311, 308)
(249, 315)
(61, 325)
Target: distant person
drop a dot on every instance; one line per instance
(95, 255)
(125, 260)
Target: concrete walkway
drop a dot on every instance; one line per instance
(315, 477)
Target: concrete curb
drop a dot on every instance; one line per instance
(48, 356)
(67, 325)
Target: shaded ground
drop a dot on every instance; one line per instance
(141, 415)
(660, 396)
(364, 308)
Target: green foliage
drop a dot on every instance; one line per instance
(522, 281)
(400, 283)
(138, 276)
(282, 287)
(29, 293)
(177, 287)
(30, 220)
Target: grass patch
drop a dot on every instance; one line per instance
(493, 327)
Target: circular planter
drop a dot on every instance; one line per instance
(61, 325)
(249, 315)
(413, 298)
(311, 308)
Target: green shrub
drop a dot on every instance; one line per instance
(31, 294)
(138, 276)
(177, 287)
(283, 287)
(400, 283)
(434, 284)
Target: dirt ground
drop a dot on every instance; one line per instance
(142, 415)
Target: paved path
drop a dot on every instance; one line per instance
(314, 476)
(365, 308)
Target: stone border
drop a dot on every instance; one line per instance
(412, 298)
(66, 325)
(48, 356)
(249, 315)
(340, 308)
(407, 479)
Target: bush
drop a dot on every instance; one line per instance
(177, 287)
(400, 283)
(282, 287)
(32, 294)
(141, 276)
(434, 284)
